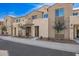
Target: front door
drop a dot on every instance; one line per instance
(28, 31)
(78, 33)
(14, 31)
(36, 31)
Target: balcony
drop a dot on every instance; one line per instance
(74, 19)
(26, 23)
(40, 19)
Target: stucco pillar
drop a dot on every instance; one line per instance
(23, 32)
(71, 34)
(32, 31)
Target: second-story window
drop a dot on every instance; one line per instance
(59, 12)
(34, 17)
(45, 15)
(17, 20)
(75, 14)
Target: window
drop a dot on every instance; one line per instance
(59, 12)
(45, 15)
(75, 14)
(17, 20)
(34, 17)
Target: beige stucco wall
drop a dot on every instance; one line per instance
(23, 21)
(74, 20)
(15, 25)
(44, 9)
(27, 19)
(51, 22)
(8, 22)
(1, 25)
(76, 11)
(43, 27)
(38, 13)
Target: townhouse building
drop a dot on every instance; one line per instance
(35, 24)
(8, 23)
(1, 25)
(63, 21)
(59, 21)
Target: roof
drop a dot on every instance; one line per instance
(76, 8)
(36, 10)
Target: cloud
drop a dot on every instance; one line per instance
(75, 8)
(1, 19)
(39, 6)
(49, 4)
(13, 14)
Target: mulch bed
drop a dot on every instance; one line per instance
(53, 40)
(60, 40)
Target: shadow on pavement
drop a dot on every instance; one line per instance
(17, 49)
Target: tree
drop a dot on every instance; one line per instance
(4, 29)
(59, 26)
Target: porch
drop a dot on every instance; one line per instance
(28, 30)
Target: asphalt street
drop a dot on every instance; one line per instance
(18, 49)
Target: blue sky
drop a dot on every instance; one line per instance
(19, 9)
(76, 5)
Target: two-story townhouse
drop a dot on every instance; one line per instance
(63, 22)
(59, 12)
(35, 24)
(59, 21)
(40, 21)
(1, 26)
(74, 22)
(8, 23)
(18, 28)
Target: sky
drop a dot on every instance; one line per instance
(17, 9)
(21, 9)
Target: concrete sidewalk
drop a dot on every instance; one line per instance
(4, 53)
(51, 45)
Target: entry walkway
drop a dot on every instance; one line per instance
(51, 45)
